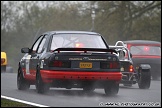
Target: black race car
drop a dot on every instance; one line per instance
(130, 75)
(69, 59)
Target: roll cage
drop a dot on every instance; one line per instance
(122, 51)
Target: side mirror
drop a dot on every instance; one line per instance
(25, 50)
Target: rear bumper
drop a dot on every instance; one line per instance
(49, 76)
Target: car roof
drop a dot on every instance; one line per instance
(66, 32)
(142, 42)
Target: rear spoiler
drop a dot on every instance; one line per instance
(86, 49)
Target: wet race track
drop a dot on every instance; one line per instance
(60, 97)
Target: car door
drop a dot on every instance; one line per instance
(33, 57)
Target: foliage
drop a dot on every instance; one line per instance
(9, 103)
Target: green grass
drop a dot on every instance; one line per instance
(9, 103)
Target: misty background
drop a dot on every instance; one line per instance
(23, 21)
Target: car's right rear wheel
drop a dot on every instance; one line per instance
(112, 89)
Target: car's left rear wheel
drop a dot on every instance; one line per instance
(22, 84)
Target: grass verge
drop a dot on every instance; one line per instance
(9, 103)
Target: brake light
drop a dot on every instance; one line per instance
(57, 63)
(62, 64)
(114, 65)
(131, 68)
(79, 45)
(146, 48)
(110, 65)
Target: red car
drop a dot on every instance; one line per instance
(146, 52)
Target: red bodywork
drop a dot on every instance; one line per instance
(49, 75)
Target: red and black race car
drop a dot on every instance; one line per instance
(69, 59)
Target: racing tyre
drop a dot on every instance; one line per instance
(112, 89)
(22, 84)
(144, 80)
(41, 87)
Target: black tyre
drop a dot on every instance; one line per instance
(144, 80)
(41, 87)
(112, 89)
(22, 84)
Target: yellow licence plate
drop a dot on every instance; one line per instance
(85, 65)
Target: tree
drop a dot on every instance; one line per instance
(121, 17)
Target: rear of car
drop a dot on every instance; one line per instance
(78, 69)
(146, 52)
(72, 59)
(126, 63)
(130, 75)
(3, 61)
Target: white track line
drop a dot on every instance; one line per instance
(22, 101)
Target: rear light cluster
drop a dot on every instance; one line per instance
(2, 60)
(131, 69)
(128, 68)
(61, 64)
(109, 65)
